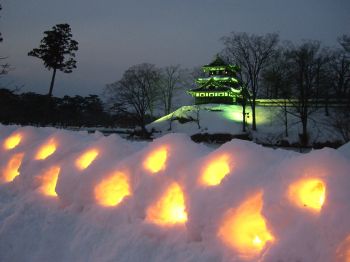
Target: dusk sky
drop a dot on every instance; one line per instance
(116, 34)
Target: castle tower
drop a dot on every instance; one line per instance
(220, 86)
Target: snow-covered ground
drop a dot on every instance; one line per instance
(73, 196)
(227, 119)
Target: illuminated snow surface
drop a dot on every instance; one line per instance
(97, 198)
(227, 119)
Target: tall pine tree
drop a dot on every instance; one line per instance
(57, 50)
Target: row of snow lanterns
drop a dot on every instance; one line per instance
(243, 228)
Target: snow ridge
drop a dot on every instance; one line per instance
(94, 198)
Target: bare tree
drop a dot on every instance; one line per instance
(305, 62)
(340, 74)
(340, 82)
(344, 41)
(0, 32)
(136, 91)
(341, 123)
(251, 53)
(277, 82)
(4, 68)
(170, 82)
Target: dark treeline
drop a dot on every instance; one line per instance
(31, 109)
(302, 76)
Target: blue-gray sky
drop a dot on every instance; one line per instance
(116, 34)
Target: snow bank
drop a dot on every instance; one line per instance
(227, 119)
(68, 196)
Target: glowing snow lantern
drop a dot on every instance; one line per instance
(343, 251)
(46, 150)
(112, 190)
(49, 181)
(244, 228)
(85, 160)
(156, 160)
(11, 169)
(12, 141)
(170, 209)
(215, 171)
(308, 193)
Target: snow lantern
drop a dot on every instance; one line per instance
(215, 171)
(11, 170)
(48, 181)
(12, 141)
(308, 193)
(343, 251)
(170, 209)
(46, 150)
(113, 189)
(85, 160)
(244, 228)
(156, 160)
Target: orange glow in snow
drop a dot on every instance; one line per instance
(49, 181)
(46, 150)
(12, 141)
(112, 190)
(215, 171)
(170, 209)
(11, 169)
(343, 251)
(156, 160)
(244, 228)
(85, 160)
(308, 193)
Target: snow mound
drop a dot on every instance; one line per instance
(227, 119)
(71, 196)
(345, 149)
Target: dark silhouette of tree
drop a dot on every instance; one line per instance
(9, 106)
(4, 68)
(245, 97)
(252, 54)
(136, 92)
(277, 82)
(0, 32)
(27, 108)
(344, 41)
(57, 50)
(340, 74)
(305, 63)
(171, 81)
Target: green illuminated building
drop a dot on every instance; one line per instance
(220, 86)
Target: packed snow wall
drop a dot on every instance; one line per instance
(70, 196)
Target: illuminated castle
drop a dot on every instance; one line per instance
(220, 86)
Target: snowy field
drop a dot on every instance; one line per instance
(227, 119)
(74, 196)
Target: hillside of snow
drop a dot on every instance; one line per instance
(227, 119)
(71, 196)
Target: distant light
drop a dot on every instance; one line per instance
(85, 160)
